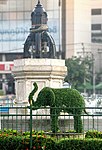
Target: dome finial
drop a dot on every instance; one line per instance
(38, 1)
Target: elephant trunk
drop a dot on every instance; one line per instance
(30, 98)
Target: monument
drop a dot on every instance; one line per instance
(40, 63)
(39, 43)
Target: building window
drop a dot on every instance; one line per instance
(96, 12)
(96, 37)
(96, 27)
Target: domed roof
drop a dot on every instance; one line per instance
(38, 9)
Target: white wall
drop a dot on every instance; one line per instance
(78, 27)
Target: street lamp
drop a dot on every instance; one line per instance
(94, 91)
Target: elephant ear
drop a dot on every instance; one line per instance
(46, 97)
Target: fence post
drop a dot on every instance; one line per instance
(93, 122)
(30, 124)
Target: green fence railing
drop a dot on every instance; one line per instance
(23, 119)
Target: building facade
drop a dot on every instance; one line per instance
(78, 29)
(96, 32)
(69, 23)
(15, 22)
(74, 24)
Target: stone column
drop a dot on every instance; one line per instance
(46, 72)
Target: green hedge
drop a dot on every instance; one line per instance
(42, 143)
(13, 140)
(79, 144)
(93, 134)
(23, 143)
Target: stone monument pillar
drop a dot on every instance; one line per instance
(40, 63)
(46, 72)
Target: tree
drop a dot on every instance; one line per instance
(79, 69)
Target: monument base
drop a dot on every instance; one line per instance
(46, 72)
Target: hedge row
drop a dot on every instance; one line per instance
(41, 143)
(80, 144)
(93, 134)
(13, 140)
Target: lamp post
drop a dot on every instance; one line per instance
(83, 49)
(60, 47)
(94, 91)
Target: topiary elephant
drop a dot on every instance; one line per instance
(64, 99)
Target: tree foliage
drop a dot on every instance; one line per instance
(78, 70)
(98, 77)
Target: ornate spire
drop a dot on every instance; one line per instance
(38, 1)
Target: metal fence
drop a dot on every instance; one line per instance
(19, 118)
(23, 119)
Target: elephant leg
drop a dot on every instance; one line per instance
(78, 127)
(54, 119)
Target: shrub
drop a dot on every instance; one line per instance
(93, 134)
(10, 142)
(79, 144)
(13, 140)
(70, 99)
